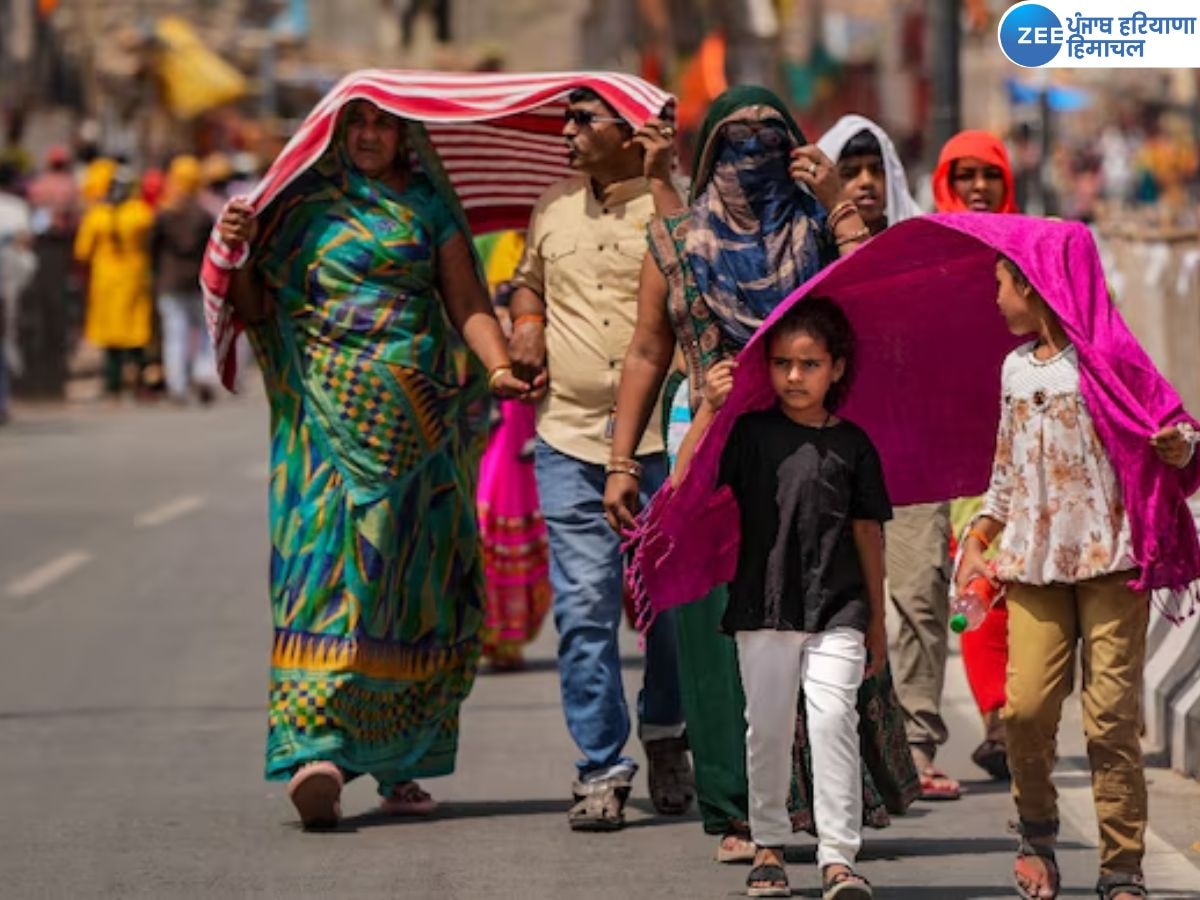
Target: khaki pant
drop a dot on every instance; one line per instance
(1045, 624)
(918, 572)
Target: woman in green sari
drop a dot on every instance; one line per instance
(359, 293)
(767, 212)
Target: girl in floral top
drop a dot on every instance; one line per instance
(1065, 550)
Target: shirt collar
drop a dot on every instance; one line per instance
(620, 192)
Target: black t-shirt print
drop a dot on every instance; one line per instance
(799, 489)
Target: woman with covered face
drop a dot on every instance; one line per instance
(378, 346)
(767, 211)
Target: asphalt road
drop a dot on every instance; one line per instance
(134, 634)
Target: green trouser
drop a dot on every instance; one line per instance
(715, 710)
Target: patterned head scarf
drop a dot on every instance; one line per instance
(981, 145)
(754, 231)
(900, 203)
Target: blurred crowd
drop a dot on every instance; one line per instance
(99, 264)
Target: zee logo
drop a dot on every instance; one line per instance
(1030, 35)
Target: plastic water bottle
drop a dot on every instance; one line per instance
(970, 608)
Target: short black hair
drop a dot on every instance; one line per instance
(587, 95)
(862, 144)
(9, 176)
(824, 320)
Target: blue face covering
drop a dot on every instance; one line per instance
(753, 236)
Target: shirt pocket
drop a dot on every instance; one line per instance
(625, 264)
(560, 253)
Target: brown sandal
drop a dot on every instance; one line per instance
(599, 805)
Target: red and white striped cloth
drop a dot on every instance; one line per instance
(498, 135)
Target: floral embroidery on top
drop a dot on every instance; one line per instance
(1052, 484)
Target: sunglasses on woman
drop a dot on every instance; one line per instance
(585, 117)
(772, 134)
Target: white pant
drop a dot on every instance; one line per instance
(830, 665)
(185, 343)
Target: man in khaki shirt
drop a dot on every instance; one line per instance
(573, 314)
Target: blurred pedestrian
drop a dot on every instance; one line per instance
(1088, 511)
(573, 315)
(974, 174)
(181, 233)
(17, 267)
(516, 550)
(918, 537)
(378, 420)
(114, 243)
(216, 172)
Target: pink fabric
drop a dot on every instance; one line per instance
(498, 136)
(516, 547)
(921, 297)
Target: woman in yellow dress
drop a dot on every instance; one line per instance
(114, 242)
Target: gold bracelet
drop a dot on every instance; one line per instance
(860, 235)
(616, 469)
(839, 209)
(495, 374)
(624, 465)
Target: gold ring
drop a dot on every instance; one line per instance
(812, 168)
(667, 131)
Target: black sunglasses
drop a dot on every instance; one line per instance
(772, 134)
(585, 117)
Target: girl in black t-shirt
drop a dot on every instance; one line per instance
(806, 605)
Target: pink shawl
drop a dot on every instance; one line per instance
(921, 297)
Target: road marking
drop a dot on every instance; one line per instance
(48, 573)
(168, 512)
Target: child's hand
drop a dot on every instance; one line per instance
(972, 564)
(877, 648)
(1172, 447)
(718, 382)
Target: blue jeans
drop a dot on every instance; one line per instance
(586, 574)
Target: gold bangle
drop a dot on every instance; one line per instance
(856, 236)
(615, 469)
(495, 374)
(844, 216)
(625, 465)
(837, 210)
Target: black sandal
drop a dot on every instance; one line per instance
(771, 878)
(1043, 850)
(846, 885)
(1109, 886)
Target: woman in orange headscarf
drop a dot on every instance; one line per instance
(974, 174)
